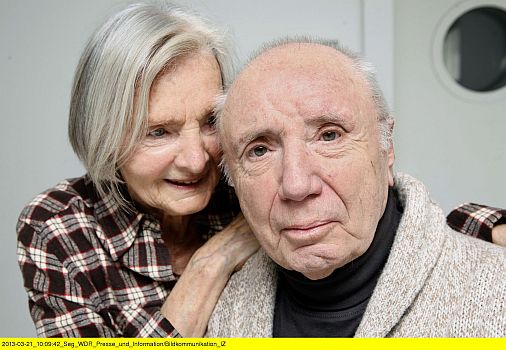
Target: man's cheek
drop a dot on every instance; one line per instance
(256, 207)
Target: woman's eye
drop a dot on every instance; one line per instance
(259, 151)
(329, 135)
(209, 127)
(211, 120)
(157, 132)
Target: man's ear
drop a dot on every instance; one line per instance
(390, 163)
(391, 154)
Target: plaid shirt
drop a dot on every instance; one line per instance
(92, 270)
(476, 220)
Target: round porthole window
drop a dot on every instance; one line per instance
(470, 49)
(475, 49)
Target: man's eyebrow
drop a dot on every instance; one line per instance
(254, 134)
(314, 121)
(330, 118)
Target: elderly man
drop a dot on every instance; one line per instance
(349, 248)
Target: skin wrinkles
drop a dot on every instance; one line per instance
(312, 201)
(180, 147)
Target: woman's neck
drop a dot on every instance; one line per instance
(182, 240)
(175, 228)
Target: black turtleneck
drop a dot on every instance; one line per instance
(334, 306)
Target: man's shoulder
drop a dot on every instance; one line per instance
(474, 270)
(467, 286)
(246, 282)
(439, 283)
(477, 254)
(246, 305)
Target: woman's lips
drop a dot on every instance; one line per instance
(187, 183)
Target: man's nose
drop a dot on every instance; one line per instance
(299, 179)
(192, 154)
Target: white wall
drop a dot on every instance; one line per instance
(451, 141)
(40, 42)
(455, 146)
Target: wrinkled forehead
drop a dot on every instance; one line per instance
(310, 79)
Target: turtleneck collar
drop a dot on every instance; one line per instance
(353, 283)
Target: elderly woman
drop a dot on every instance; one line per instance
(124, 250)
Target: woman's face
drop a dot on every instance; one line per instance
(173, 171)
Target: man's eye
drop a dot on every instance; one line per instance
(259, 151)
(157, 132)
(329, 135)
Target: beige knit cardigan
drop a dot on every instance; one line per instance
(436, 283)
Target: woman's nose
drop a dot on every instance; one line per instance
(192, 154)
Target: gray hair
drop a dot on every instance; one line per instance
(385, 118)
(110, 94)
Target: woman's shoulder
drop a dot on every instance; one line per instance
(51, 203)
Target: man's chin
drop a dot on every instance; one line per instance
(316, 261)
(314, 268)
(317, 275)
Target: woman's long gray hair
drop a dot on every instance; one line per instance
(109, 102)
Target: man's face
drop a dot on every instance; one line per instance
(301, 141)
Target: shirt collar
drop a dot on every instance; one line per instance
(130, 237)
(117, 227)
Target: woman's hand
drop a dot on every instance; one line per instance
(192, 300)
(232, 246)
(499, 234)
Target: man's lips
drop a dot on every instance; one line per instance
(303, 227)
(303, 234)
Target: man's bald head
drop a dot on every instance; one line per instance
(275, 51)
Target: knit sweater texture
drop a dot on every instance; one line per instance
(436, 283)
